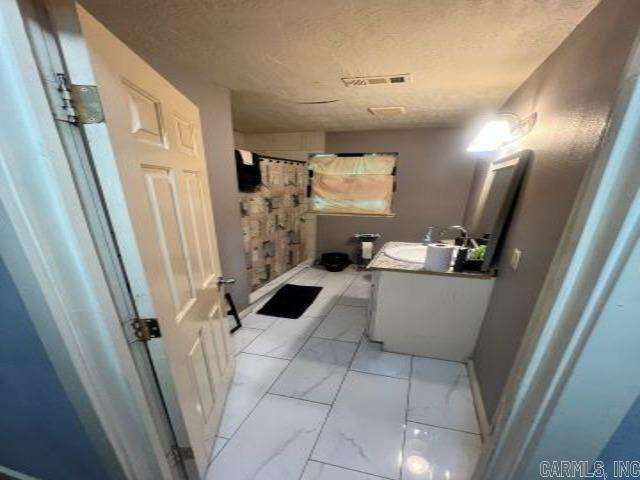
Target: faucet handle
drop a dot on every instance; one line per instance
(428, 237)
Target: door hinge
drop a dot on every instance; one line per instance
(81, 103)
(146, 328)
(182, 454)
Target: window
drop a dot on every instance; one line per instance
(352, 183)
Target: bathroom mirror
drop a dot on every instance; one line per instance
(496, 202)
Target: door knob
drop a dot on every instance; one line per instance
(225, 281)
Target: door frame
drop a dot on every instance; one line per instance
(47, 243)
(603, 226)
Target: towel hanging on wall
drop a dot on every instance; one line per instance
(248, 169)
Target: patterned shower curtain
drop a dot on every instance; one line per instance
(272, 221)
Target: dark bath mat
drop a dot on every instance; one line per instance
(290, 301)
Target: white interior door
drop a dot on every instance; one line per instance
(165, 228)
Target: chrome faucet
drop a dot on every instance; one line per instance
(463, 230)
(427, 238)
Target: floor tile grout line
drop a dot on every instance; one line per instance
(381, 477)
(330, 307)
(406, 418)
(335, 398)
(336, 340)
(473, 403)
(324, 424)
(378, 374)
(213, 457)
(271, 356)
(322, 318)
(267, 392)
(445, 428)
(260, 400)
(315, 442)
(298, 353)
(298, 398)
(346, 372)
(263, 355)
(272, 384)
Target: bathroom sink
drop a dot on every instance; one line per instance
(407, 253)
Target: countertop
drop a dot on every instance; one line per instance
(382, 262)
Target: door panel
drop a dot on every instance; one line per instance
(200, 229)
(186, 137)
(220, 345)
(164, 209)
(202, 377)
(156, 138)
(145, 115)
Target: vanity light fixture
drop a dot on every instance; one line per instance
(500, 131)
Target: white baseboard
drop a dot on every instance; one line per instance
(483, 420)
(276, 282)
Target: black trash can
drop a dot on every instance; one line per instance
(335, 261)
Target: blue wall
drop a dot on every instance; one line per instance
(40, 433)
(625, 442)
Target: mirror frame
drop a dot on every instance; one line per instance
(519, 162)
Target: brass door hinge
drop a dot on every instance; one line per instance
(146, 328)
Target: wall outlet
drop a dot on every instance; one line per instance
(515, 258)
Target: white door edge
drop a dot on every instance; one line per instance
(51, 256)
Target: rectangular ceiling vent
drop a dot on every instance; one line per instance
(387, 111)
(381, 80)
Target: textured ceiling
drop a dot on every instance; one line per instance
(466, 56)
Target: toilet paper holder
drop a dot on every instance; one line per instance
(365, 252)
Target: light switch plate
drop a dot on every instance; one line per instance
(515, 258)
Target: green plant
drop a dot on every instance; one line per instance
(477, 253)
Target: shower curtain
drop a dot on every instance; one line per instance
(273, 227)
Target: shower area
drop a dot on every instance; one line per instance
(273, 201)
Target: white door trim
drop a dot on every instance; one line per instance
(46, 243)
(603, 225)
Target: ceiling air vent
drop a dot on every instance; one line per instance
(387, 111)
(380, 80)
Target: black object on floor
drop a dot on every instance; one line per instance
(233, 311)
(290, 301)
(334, 261)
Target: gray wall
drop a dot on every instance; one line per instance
(433, 180)
(572, 92)
(40, 432)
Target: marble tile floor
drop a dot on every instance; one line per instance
(314, 399)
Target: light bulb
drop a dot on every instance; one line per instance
(417, 465)
(493, 135)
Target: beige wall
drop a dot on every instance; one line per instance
(434, 175)
(573, 92)
(294, 145)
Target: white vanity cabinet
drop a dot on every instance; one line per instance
(430, 314)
